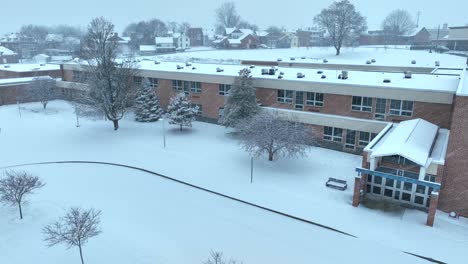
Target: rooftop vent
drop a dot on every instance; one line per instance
(323, 76)
(300, 75)
(279, 59)
(408, 75)
(280, 76)
(368, 62)
(281, 73)
(292, 58)
(437, 63)
(265, 71)
(387, 81)
(413, 62)
(319, 72)
(194, 68)
(42, 64)
(252, 66)
(373, 60)
(343, 75)
(6, 66)
(219, 69)
(325, 61)
(303, 58)
(179, 67)
(188, 64)
(157, 62)
(271, 72)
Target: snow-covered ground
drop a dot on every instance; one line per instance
(390, 56)
(149, 220)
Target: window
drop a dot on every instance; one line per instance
(315, 99)
(137, 80)
(177, 85)
(363, 104)
(380, 109)
(350, 139)
(401, 108)
(186, 88)
(196, 87)
(224, 89)
(299, 100)
(333, 134)
(200, 108)
(77, 76)
(365, 138)
(153, 82)
(396, 159)
(285, 96)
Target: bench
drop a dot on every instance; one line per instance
(336, 184)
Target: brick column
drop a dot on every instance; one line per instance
(357, 191)
(432, 208)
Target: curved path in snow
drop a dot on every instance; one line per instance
(214, 193)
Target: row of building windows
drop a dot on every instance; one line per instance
(186, 86)
(312, 99)
(335, 134)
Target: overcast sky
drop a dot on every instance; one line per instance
(289, 13)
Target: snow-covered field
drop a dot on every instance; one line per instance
(150, 220)
(390, 56)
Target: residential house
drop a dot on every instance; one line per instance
(195, 36)
(457, 38)
(8, 56)
(237, 39)
(164, 44)
(181, 41)
(23, 46)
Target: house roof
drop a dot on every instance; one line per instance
(6, 52)
(164, 40)
(230, 30)
(412, 139)
(147, 47)
(414, 32)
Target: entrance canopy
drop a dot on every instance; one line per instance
(412, 139)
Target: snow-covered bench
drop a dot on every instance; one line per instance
(336, 184)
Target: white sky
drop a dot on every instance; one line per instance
(291, 13)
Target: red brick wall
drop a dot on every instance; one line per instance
(11, 74)
(454, 193)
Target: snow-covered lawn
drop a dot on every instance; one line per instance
(400, 56)
(149, 220)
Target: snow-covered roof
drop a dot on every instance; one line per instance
(147, 47)
(234, 41)
(413, 32)
(20, 67)
(262, 33)
(412, 139)
(23, 80)
(54, 38)
(41, 56)
(247, 31)
(230, 30)
(164, 40)
(6, 52)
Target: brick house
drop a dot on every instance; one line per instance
(196, 36)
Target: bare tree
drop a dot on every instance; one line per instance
(248, 25)
(216, 257)
(268, 133)
(226, 16)
(74, 229)
(41, 89)
(399, 22)
(108, 80)
(342, 22)
(16, 185)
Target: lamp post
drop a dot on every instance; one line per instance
(251, 169)
(164, 129)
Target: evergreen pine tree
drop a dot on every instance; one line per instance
(181, 111)
(241, 103)
(147, 108)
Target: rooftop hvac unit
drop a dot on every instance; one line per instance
(219, 70)
(387, 81)
(344, 75)
(303, 58)
(252, 66)
(271, 72)
(368, 62)
(6, 66)
(265, 71)
(292, 58)
(325, 61)
(281, 73)
(280, 76)
(188, 64)
(408, 75)
(279, 59)
(413, 62)
(319, 72)
(179, 67)
(437, 63)
(42, 64)
(300, 75)
(373, 60)
(323, 77)
(157, 62)
(194, 68)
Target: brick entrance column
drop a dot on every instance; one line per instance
(432, 208)
(357, 191)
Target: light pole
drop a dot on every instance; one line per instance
(164, 129)
(251, 169)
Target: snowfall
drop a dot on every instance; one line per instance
(149, 219)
